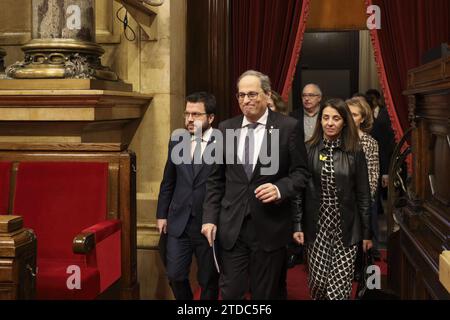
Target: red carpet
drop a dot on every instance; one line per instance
(298, 285)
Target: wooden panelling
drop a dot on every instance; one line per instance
(425, 220)
(328, 15)
(207, 52)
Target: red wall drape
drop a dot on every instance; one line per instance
(409, 28)
(267, 36)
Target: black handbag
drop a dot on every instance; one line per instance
(366, 261)
(364, 293)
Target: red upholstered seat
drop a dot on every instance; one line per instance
(5, 173)
(52, 281)
(60, 200)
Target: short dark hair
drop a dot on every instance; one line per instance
(373, 97)
(208, 99)
(349, 134)
(374, 92)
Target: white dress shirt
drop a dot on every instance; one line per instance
(258, 139)
(258, 134)
(205, 138)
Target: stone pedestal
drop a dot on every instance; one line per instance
(63, 43)
(69, 114)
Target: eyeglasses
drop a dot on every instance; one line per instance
(252, 95)
(310, 95)
(194, 115)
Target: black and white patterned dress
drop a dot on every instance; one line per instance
(370, 148)
(331, 265)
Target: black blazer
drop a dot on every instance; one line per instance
(383, 133)
(230, 195)
(181, 193)
(352, 186)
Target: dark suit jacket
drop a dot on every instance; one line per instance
(181, 194)
(230, 195)
(383, 133)
(299, 114)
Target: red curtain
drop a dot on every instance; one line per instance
(267, 36)
(409, 28)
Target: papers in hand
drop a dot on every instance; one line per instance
(215, 255)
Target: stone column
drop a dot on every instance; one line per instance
(63, 43)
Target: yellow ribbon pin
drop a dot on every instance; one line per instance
(322, 157)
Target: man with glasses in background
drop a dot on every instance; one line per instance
(180, 204)
(311, 98)
(247, 206)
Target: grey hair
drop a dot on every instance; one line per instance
(315, 86)
(264, 79)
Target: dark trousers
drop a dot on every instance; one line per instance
(179, 259)
(248, 268)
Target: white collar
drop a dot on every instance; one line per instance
(206, 135)
(262, 120)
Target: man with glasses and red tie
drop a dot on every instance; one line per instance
(180, 204)
(247, 206)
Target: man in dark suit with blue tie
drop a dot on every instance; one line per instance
(180, 203)
(248, 199)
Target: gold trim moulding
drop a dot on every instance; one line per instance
(63, 45)
(40, 72)
(64, 84)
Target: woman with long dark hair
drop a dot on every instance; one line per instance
(332, 215)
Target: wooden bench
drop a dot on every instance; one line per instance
(82, 208)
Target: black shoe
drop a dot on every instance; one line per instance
(291, 261)
(357, 276)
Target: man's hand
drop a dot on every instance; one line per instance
(267, 193)
(367, 244)
(162, 225)
(209, 231)
(299, 237)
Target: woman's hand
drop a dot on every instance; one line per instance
(299, 237)
(367, 244)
